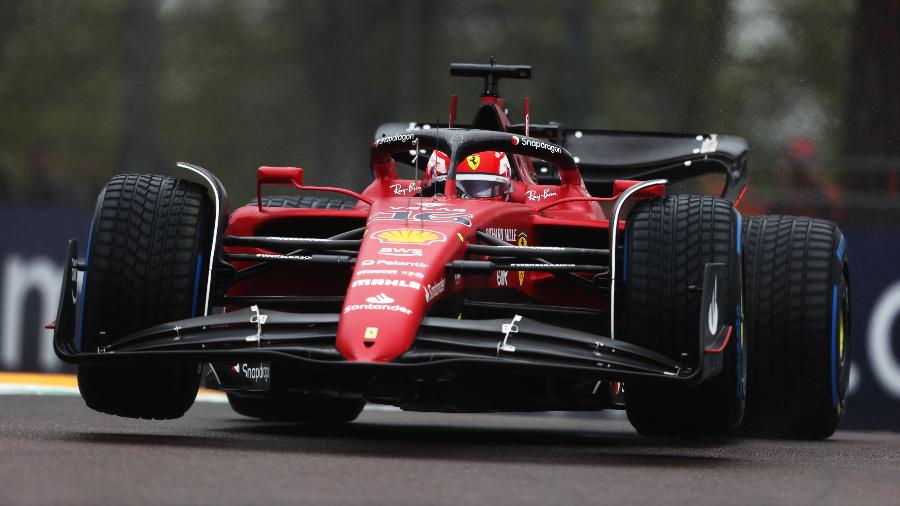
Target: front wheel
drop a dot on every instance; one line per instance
(145, 257)
(668, 242)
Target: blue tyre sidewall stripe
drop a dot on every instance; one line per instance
(839, 255)
(79, 324)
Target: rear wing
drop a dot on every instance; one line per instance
(604, 156)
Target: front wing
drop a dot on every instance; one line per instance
(443, 345)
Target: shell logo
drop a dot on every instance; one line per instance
(409, 236)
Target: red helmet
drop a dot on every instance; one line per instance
(481, 175)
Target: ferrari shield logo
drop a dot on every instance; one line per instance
(371, 333)
(474, 161)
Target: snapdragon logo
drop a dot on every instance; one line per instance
(395, 138)
(258, 373)
(525, 141)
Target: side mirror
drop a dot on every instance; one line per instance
(280, 176)
(285, 176)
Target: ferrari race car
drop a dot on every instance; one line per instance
(488, 267)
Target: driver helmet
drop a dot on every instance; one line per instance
(484, 175)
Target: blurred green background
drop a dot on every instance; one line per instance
(97, 87)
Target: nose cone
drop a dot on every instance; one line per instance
(399, 273)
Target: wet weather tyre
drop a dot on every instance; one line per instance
(668, 242)
(797, 323)
(303, 409)
(144, 267)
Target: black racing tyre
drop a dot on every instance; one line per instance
(145, 255)
(668, 242)
(298, 409)
(797, 310)
(306, 202)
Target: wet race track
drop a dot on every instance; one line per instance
(53, 450)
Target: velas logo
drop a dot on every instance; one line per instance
(474, 161)
(377, 272)
(381, 298)
(409, 236)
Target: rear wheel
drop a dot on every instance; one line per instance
(298, 409)
(798, 326)
(145, 257)
(668, 242)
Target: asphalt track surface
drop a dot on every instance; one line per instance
(53, 450)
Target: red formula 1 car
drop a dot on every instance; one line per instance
(516, 267)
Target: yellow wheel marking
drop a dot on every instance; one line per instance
(841, 335)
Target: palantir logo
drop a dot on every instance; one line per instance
(381, 298)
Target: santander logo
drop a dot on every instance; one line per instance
(381, 298)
